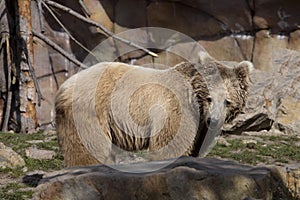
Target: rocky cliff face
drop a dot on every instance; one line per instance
(254, 30)
(238, 30)
(274, 98)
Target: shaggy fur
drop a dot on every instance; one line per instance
(114, 106)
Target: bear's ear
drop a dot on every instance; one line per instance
(204, 57)
(244, 69)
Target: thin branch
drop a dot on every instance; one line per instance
(9, 89)
(41, 16)
(66, 30)
(53, 73)
(59, 49)
(94, 23)
(84, 8)
(35, 81)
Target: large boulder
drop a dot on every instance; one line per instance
(9, 158)
(186, 178)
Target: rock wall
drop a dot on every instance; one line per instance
(253, 31)
(233, 30)
(274, 98)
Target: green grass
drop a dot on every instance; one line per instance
(13, 191)
(18, 142)
(280, 149)
(12, 172)
(46, 165)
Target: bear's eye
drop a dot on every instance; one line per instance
(226, 102)
(209, 99)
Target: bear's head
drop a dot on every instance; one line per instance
(228, 88)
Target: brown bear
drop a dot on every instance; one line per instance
(112, 108)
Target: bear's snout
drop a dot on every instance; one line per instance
(212, 123)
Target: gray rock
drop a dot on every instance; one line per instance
(274, 98)
(34, 141)
(250, 143)
(186, 178)
(49, 132)
(222, 141)
(9, 158)
(40, 154)
(50, 138)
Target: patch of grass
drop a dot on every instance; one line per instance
(12, 172)
(50, 145)
(18, 142)
(280, 150)
(46, 165)
(236, 151)
(13, 191)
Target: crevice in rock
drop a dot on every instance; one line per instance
(253, 32)
(114, 15)
(257, 122)
(253, 49)
(241, 49)
(147, 25)
(252, 10)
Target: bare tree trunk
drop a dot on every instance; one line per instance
(4, 28)
(27, 93)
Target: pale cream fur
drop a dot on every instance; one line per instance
(114, 106)
(86, 123)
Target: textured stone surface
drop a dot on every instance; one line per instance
(9, 158)
(274, 97)
(288, 117)
(39, 154)
(237, 21)
(187, 178)
(277, 15)
(182, 18)
(294, 42)
(130, 14)
(102, 12)
(234, 47)
(45, 113)
(266, 46)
